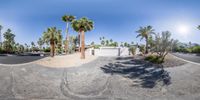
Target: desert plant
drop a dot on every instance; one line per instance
(132, 50)
(163, 44)
(154, 59)
(142, 48)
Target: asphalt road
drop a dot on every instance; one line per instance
(18, 59)
(103, 79)
(189, 57)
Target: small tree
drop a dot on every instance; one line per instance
(163, 44)
(174, 45)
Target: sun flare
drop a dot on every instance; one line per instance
(183, 29)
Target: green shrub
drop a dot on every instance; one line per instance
(196, 49)
(47, 49)
(97, 46)
(154, 59)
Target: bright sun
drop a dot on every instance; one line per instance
(183, 29)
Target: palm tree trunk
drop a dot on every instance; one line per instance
(52, 48)
(82, 44)
(67, 39)
(79, 44)
(146, 51)
(0, 40)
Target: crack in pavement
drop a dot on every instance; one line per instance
(68, 92)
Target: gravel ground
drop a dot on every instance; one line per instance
(103, 79)
(171, 61)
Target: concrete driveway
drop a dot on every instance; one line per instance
(103, 79)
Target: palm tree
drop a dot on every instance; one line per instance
(51, 36)
(1, 27)
(111, 41)
(198, 27)
(68, 19)
(82, 25)
(27, 47)
(59, 41)
(40, 42)
(132, 43)
(145, 32)
(33, 46)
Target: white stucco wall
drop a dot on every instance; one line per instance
(110, 51)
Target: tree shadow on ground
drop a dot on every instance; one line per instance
(147, 74)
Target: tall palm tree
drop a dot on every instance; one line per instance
(1, 27)
(51, 36)
(145, 32)
(82, 25)
(68, 19)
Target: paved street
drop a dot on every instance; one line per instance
(190, 57)
(18, 59)
(103, 79)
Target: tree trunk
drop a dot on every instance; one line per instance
(52, 48)
(79, 42)
(67, 39)
(82, 44)
(146, 51)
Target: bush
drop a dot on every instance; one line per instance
(132, 50)
(196, 49)
(154, 59)
(47, 50)
(97, 46)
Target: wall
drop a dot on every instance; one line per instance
(110, 51)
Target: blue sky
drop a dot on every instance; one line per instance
(116, 19)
